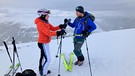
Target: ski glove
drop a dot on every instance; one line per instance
(63, 26)
(67, 20)
(61, 32)
(85, 33)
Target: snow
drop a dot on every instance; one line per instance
(111, 53)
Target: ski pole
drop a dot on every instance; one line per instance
(15, 50)
(58, 50)
(88, 58)
(60, 47)
(7, 51)
(13, 63)
(65, 22)
(9, 58)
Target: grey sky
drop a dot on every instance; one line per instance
(71, 4)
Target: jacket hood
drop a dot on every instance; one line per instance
(37, 20)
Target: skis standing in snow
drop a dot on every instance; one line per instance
(46, 31)
(13, 68)
(82, 30)
(68, 66)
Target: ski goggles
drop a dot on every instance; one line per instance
(44, 12)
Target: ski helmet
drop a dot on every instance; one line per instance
(43, 12)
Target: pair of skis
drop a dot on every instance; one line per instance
(68, 66)
(13, 68)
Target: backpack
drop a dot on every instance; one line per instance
(27, 72)
(92, 17)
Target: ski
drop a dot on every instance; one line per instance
(16, 68)
(7, 51)
(65, 62)
(68, 66)
(71, 61)
(10, 71)
(15, 50)
(13, 68)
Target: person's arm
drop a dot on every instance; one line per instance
(45, 30)
(52, 28)
(72, 24)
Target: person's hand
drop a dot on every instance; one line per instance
(85, 33)
(63, 26)
(67, 20)
(61, 32)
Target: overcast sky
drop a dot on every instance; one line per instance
(97, 5)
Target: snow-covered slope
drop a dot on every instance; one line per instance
(112, 54)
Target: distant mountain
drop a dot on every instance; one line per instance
(19, 22)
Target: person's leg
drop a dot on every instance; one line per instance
(47, 58)
(77, 49)
(41, 56)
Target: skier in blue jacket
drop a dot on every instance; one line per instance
(82, 30)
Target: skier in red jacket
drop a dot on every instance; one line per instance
(45, 32)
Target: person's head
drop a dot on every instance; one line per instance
(79, 11)
(44, 14)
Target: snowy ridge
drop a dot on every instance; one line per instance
(19, 22)
(112, 54)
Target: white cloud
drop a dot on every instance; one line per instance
(71, 4)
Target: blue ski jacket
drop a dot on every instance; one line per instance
(79, 25)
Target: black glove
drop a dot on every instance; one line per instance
(63, 26)
(85, 33)
(65, 20)
(61, 32)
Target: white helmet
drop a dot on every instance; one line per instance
(43, 12)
